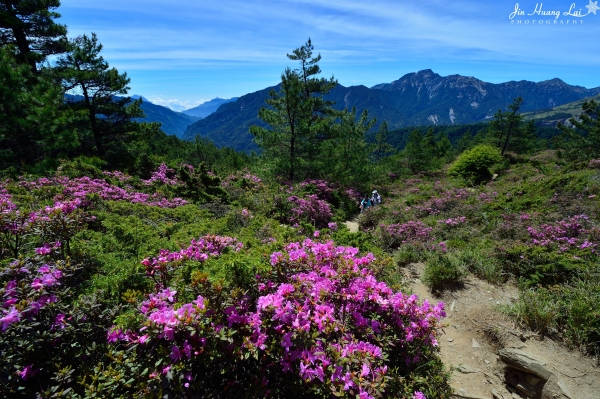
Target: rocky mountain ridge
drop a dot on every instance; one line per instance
(416, 99)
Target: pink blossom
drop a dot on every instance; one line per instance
(12, 316)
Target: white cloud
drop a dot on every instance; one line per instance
(175, 104)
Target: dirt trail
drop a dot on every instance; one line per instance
(474, 333)
(352, 226)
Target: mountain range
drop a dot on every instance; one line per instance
(171, 122)
(208, 107)
(416, 99)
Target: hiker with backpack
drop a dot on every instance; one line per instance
(365, 203)
(375, 198)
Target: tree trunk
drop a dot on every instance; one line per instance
(510, 128)
(20, 37)
(93, 122)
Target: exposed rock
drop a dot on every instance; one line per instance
(520, 360)
(556, 389)
(498, 395)
(467, 369)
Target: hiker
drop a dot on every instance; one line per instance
(375, 198)
(365, 203)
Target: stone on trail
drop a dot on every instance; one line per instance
(523, 361)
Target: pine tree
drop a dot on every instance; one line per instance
(428, 142)
(84, 71)
(581, 140)
(443, 146)
(300, 119)
(382, 147)
(30, 26)
(507, 125)
(346, 155)
(32, 125)
(415, 156)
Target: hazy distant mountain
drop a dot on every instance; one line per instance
(136, 96)
(172, 123)
(207, 108)
(416, 99)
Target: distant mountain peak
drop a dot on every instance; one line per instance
(422, 98)
(144, 99)
(208, 107)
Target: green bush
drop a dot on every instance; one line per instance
(371, 217)
(474, 165)
(82, 166)
(443, 271)
(407, 254)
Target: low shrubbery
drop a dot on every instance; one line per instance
(208, 316)
(474, 165)
(394, 235)
(313, 318)
(443, 271)
(321, 324)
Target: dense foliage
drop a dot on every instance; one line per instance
(313, 318)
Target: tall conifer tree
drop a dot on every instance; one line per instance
(299, 117)
(84, 71)
(29, 25)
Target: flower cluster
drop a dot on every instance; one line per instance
(329, 323)
(162, 268)
(446, 201)
(413, 231)
(310, 209)
(244, 177)
(323, 189)
(594, 164)
(487, 197)
(163, 175)
(352, 193)
(58, 222)
(565, 234)
(453, 221)
(337, 294)
(81, 187)
(6, 204)
(513, 226)
(30, 289)
(246, 214)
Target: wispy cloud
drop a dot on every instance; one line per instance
(363, 38)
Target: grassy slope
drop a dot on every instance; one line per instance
(559, 286)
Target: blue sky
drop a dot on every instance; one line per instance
(179, 53)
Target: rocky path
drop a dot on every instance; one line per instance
(491, 358)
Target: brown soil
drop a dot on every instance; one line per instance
(474, 331)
